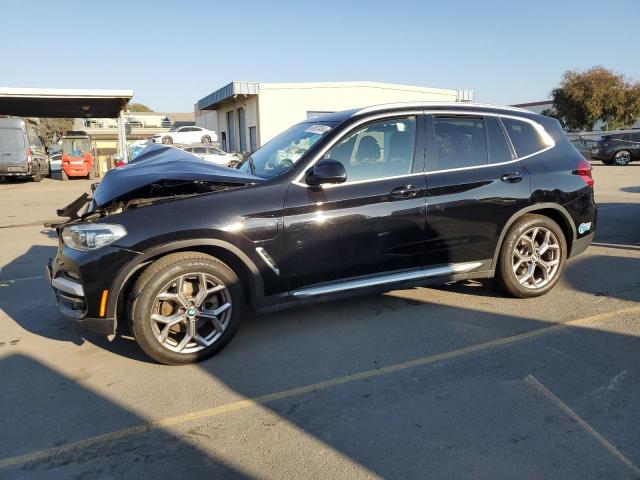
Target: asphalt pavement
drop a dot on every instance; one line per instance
(456, 381)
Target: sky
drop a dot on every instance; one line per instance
(174, 53)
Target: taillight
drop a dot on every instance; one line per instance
(584, 172)
(29, 156)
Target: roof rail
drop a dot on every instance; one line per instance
(425, 104)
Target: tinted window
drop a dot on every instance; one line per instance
(635, 137)
(377, 150)
(499, 150)
(524, 137)
(199, 150)
(11, 140)
(459, 142)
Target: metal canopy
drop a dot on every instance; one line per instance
(62, 102)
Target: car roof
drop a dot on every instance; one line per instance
(12, 122)
(405, 106)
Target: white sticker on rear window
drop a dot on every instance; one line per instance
(318, 129)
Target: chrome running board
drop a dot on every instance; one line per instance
(384, 279)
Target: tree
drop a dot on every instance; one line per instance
(583, 98)
(138, 107)
(51, 129)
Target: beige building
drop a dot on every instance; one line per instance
(248, 114)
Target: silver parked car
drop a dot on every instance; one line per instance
(22, 153)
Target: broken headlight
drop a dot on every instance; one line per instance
(90, 236)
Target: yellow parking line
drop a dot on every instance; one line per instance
(314, 387)
(531, 380)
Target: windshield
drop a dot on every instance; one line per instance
(280, 153)
(76, 146)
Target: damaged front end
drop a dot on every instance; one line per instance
(89, 257)
(161, 174)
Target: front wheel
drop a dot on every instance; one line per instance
(532, 257)
(185, 307)
(622, 158)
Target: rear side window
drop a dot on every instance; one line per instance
(459, 142)
(635, 137)
(11, 140)
(200, 150)
(524, 137)
(499, 150)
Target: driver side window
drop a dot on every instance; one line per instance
(377, 150)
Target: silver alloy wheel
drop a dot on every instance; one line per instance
(623, 157)
(536, 257)
(191, 312)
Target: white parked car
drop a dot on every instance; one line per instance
(55, 163)
(212, 154)
(189, 134)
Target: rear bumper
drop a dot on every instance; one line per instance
(581, 244)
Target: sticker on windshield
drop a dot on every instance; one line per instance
(318, 129)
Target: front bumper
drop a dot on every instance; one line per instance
(79, 281)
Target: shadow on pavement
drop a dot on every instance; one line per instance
(43, 409)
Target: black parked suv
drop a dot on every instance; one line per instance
(366, 200)
(617, 149)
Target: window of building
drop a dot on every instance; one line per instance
(459, 142)
(524, 137)
(499, 150)
(377, 150)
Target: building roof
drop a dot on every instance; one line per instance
(63, 102)
(211, 101)
(533, 104)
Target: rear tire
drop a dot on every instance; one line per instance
(181, 274)
(64, 175)
(37, 175)
(525, 267)
(92, 173)
(622, 158)
(167, 140)
(206, 139)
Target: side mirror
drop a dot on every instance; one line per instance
(326, 171)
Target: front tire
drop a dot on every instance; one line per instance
(622, 158)
(185, 308)
(532, 257)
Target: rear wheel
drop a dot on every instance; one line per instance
(206, 139)
(37, 174)
(622, 158)
(92, 173)
(185, 307)
(64, 176)
(532, 257)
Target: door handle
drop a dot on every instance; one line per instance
(404, 191)
(511, 177)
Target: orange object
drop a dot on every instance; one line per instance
(103, 303)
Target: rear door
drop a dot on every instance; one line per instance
(13, 149)
(474, 185)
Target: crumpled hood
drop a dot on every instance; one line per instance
(158, 163)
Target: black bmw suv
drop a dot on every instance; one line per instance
(360, 201)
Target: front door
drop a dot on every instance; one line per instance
(475, 184)
(371, 224)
